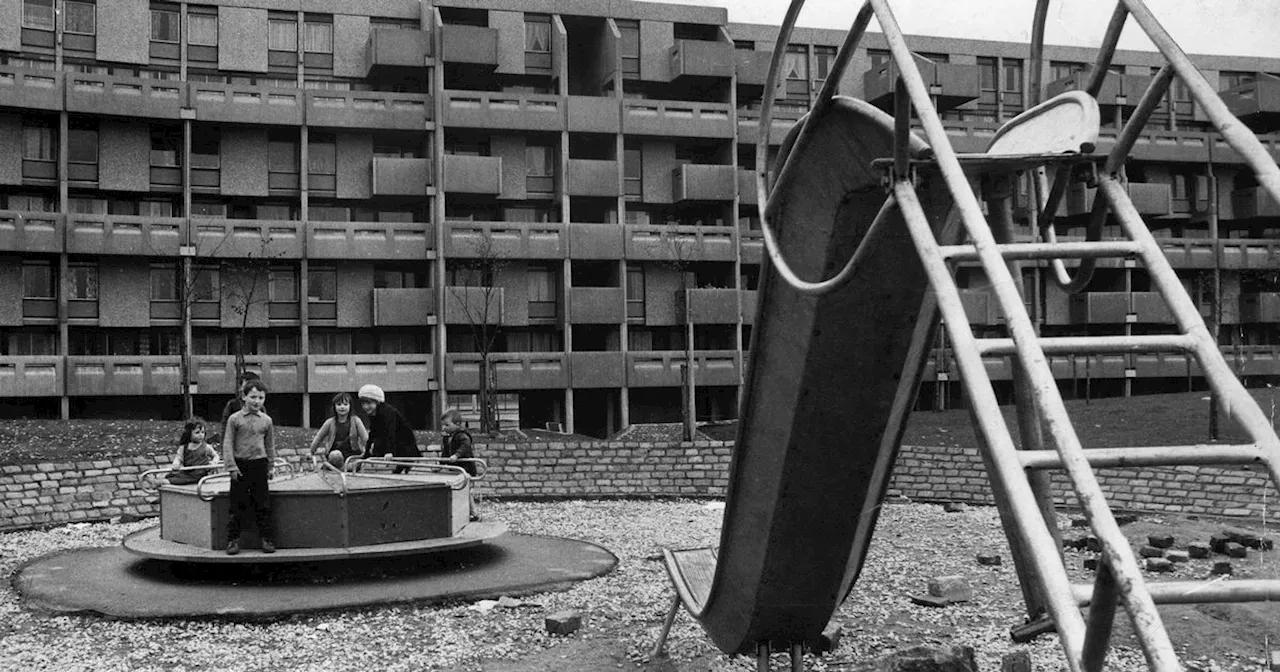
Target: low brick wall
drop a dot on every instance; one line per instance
(54, 493)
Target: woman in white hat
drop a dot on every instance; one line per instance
(389, 432)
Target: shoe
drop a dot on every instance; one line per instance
(268, 547)
(475, 518)
(233, 548)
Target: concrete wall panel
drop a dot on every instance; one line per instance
(11, 25)
(657, 160)
(656, 40)
(350, 36)
(124, 31)
(242, 34)
(355, 295)
(510, 27)
(125, 161)
(10, 291)
(355, 165)
(10, 149)
(124, 286)
(244, 161)
(511, 149)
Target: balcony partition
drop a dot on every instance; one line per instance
(125, 96)
(659, 242)
(597, 305)
(34, 232)
(672, 118)
(248, 238)
(511, 370)
(504, 111)
(394, 373)
(702, 58)
(248, 104)
(123, 376)
(216, 374)
(35, 376)
(406, 241)
(593, 177)
(508, 240)
(473, 174)
(477, 45)
(126, 235)
(401, 177)
(396, 48)
(413, 307)
(368, 109)
(697, 182)
(711, 306)
(597, 370)
(593, 114)
(31, 89)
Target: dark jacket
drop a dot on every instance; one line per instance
(458, 446)
(389, 432)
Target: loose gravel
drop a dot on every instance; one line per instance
(623, 610)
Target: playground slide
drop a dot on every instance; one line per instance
(819, 429)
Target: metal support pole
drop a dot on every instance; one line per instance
(1102, 613)
(797, 657)
(666, 628)
(762, 656)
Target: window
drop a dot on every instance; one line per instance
(629, 46)
(319, 35)
(164, 282)
(272, 343)
(205, 148)
(37, 141)
(82, 145)
(80, 205)
(322, 162)
(542, 291)
(37, 14)
(744, 45)
(282, 155)
(795, 66)
(166, 146)
(209, 343)
(824, 58)
(329, 342)
(391, 278)
(82, 281)
(81, 18)
(202, 28)
(282, 34)
(632, 170)
(165, 24)
(155, 208)
(212, 209)
(322, 284)
(204, 284)
(29, 202)
(284, 285)
(1230, 79)
(37, 280)
(537, 33)
(635, 292)
(878, 57)
(31, 342)
(1064, 69)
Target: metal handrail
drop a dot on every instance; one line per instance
(325, 466)
(150, 484)
(280, 464)
(430, 463)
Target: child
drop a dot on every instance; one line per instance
(235, 402)
(389, 432)
(193, 451)
(342, 435)
(456, 445)
(248, 448)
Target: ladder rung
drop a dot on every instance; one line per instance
(1193, 592)
(1149, 456)
(1093, 345)
(1024, 251)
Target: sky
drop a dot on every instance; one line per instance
(1236, 27)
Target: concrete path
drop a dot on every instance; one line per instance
(114, 582)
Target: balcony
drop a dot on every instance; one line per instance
(1162, 365)
(32, 232)
(1253, 202)
(392, 48)
(125, 96)
(1257, 103)
(747, 187)
(1260, 307)
(473, 305)
(216, 374)
(781, 123)
(476, 45)
(1151, 199)
(711, 306)
(659, 242)
(248, 238)
(597, 369)
(950, 85)
(405, 241)
(701, 58)
(593, 177)
(504, 111)
(30, 89)
(692, 182)
(676, 118)
(401, 177)
(89, 376)
(750, 302)
(592, 114)
(368, 109)
(597, 305)
(981, 307)
(31, 376)
(511, 371)
(595, 241)
(404, 307)
(1117, 89)
(1114, 308)
(752, 246)
(247, 104)
(507, 240)
(396, 373)
(662, 368)
(752, 68)
(473, 174)
(117, 234)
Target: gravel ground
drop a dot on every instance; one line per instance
(624, 609)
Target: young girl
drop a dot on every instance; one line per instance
(192, 452)
(342, 435)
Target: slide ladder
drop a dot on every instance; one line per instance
(1058, 136)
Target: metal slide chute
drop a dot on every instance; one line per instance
(851, 290)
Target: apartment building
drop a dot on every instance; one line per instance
(347, 193)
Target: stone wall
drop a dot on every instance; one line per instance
(56, 493)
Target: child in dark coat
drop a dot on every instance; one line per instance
(389, 432)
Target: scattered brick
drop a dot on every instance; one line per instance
(989, 558)
(929, 601)
(1151, 552)
(951, 588)
(1197, 550)
(1093, 544)
(1016, 661)
(1221, 567)
(949, 658)
(1160, 540)
(1159, 565)
(1178, 557)
(1243, 537)
(1078, 543)
(955, 507)
(1126, 518)
(1218, 543)
(563, 622)
(1079, 522)
(1273, 661)
(1236, 550)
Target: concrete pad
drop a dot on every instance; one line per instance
(113, 582)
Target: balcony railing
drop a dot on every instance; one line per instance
(493, 110)
(31, 89)
(1256, 103)
(701, 58)
(593, 114)
(1260, 307)
(123, 376)
(31, 376)
(1117, 89)
(595, 241)
(509, 240)
(750, 302)
(593, 177)
(1253, 202)
(338, 373)
(129, 235)
(477, 45)
(396, 48)
(473, 174)
(597, 369)
(34, 232)
(248, 238)
(950, 85)
(404, 307)
(1119, 308)
(1149, 199)
(597, 305)
(662, 368)
(752, 67)
(408, 241)
(368, 109)
(511, 370)
(693, 182)
(401, 177)
(658, 242)
(670, 118)
(125, 96)
(248, 104)
(216, 374)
